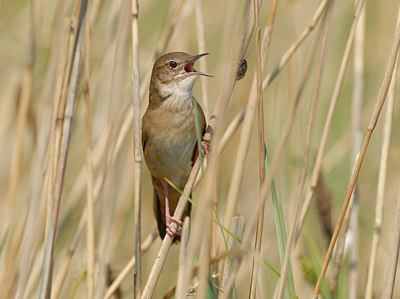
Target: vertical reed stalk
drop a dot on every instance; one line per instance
(137, 141)
(261, 143)
(90, 224)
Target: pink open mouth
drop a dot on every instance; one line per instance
(191, 70)
(189, 67)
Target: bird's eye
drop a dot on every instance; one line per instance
(173, 64)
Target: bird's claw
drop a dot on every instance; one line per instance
(205, 146)
(172, 231)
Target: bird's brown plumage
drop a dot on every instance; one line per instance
(169, 137)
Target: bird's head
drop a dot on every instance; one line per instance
(175, 72)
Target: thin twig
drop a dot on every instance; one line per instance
(90, 225)
(201, 40)
(183, 267)
(261, 139)
(237, 228)
(391, 271)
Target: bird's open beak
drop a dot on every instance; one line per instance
(190, 69)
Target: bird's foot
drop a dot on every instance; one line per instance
(205, 146)
(171, 230)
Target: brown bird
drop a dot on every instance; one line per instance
(169, 136)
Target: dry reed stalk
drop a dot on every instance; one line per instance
(33, 277)
(356, 145)
(388, 288)
(201, 41)
(24, 102)
(130, 265)
(22, 115)
(90, 223)
(14, 177)
(137, 141)
(359, 46)
(380, 196)
(261, 139)
(328, 122)
(340, 246)
(237, 228)
(62, 130)
(10, 270)
(183, 274)
(371, 126)
(63, 270)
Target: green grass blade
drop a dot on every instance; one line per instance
(3, 241)
(80, 280)
(198, 133)
(280, 228)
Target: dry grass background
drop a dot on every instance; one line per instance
(39, 71)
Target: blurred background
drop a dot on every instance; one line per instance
(32, 43)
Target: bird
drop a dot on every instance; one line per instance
(169, 138)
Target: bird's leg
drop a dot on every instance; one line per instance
(169, 219)
(205, 146)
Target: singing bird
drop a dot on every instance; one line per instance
(169, 138)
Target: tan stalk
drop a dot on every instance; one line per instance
(137, 141)
(391, 271)
(90, 224)
(183, 266)
(261, 139)
(201, 41)
(380, 196)
(237, 228)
